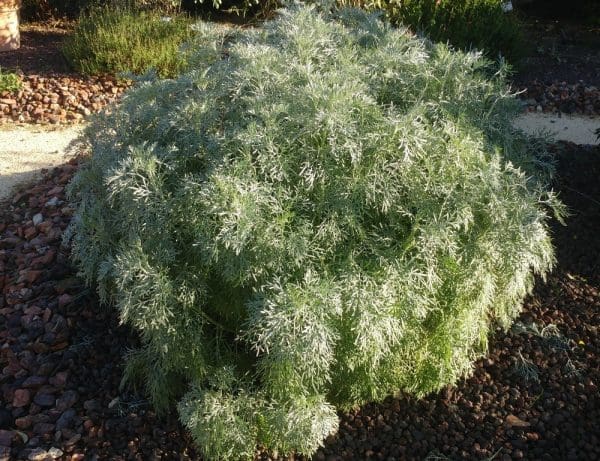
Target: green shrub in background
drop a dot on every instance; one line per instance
(319, 213)
(465, 24)
(9, 81)
(113, 40)
(46, 9)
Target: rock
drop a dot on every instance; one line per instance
(30, 233)
(73, 440)
(37, 219)
(38, 454)
(66, 400)
(44, 400)
(514, 421)
(92, 405)
(43, 428)
(65, 420)
(55, 453)
(21, 398)
(24, 422)
(64, 299)
(54, 201)
(55, 191)
(59, 380)
(33, 382)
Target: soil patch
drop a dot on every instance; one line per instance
(559, 72)
(39, 52)
(559, 51)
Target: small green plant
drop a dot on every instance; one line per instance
(550, 334)
(437, 456)
(526, 369)
(317, 214)
(120, 39)
(9, 81)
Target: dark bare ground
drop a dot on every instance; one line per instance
(559, 51)
(39, 53)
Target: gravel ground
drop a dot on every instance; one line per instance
(59, 99)
(535, 397)
(559, 97)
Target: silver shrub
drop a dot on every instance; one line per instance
(324, 211)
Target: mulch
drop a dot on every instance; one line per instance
(534, 397)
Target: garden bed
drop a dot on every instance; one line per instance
(51, 93)
(534, 397)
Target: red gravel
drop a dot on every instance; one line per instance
(59, 99)
(535, 396)
(561, 97)
(60, 353)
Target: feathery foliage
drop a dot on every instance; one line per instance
(320, 213)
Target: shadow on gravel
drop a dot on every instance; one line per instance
(10, 183)
(535, 396)
(578, 245)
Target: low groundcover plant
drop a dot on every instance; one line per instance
(321, 212)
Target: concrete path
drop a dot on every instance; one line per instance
(25, 151)
(577, 129)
